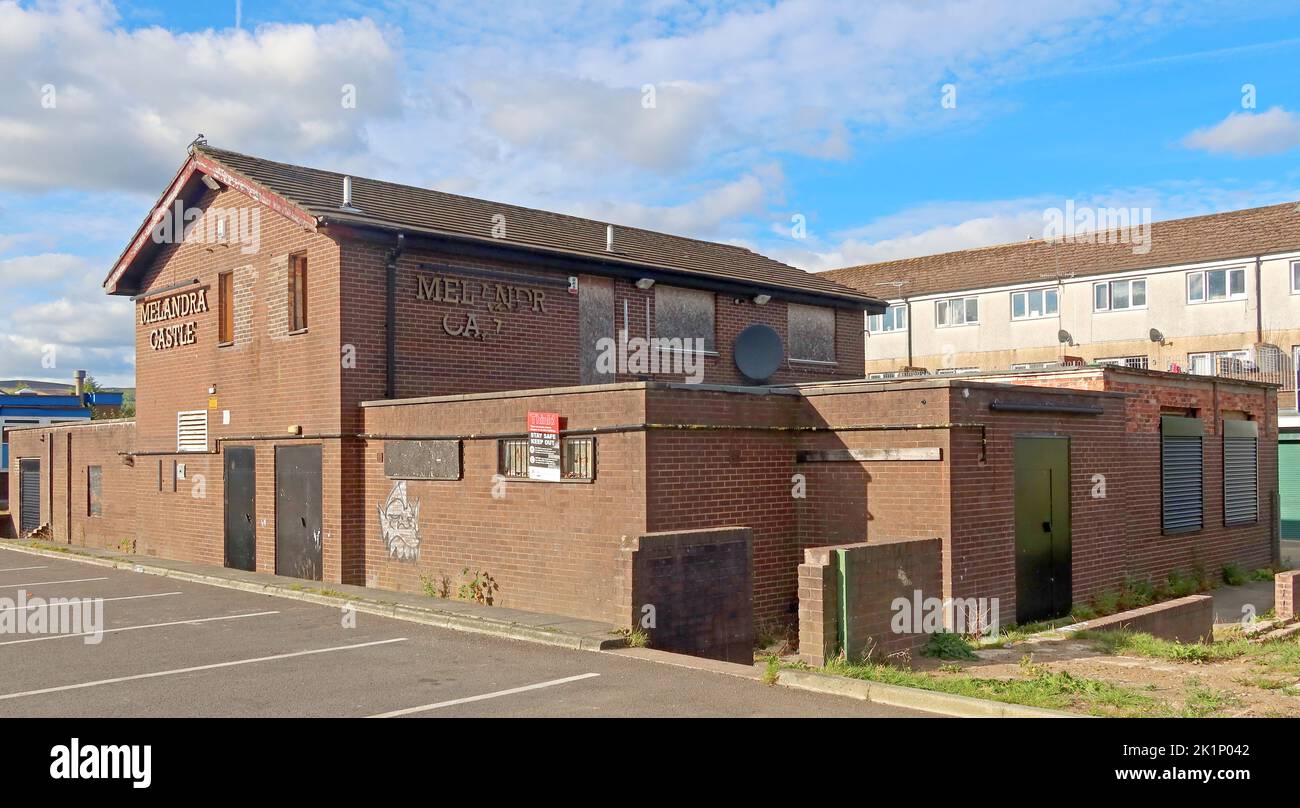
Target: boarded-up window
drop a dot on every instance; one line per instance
(94, 491)
(1181, 474)
(1240, 472)
(297, 292)
(812, 333)
(192, 431)
(684, 314)
(226, 307)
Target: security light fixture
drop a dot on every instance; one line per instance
(645, 283)
(761, 300)
(210, 182)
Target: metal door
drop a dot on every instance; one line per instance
(29, 495)
(1042, 508)
(1288, 474)
(298, 511)
(241, 507)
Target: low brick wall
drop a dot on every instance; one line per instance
(691, 591)
(874, 574)
(1187, 620)
(1285, 585)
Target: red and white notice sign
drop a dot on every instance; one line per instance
(544, 446)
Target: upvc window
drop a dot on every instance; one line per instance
(1119, 295)
(1295, 277)
(1217, 362)
(1033, 304)
(957, 311)
(1135, 362)
(894, 319)
(1210, 285)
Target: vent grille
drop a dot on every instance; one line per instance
(192, 431)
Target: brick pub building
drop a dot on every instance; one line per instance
(352, 381)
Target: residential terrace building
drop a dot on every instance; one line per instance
(1216, 295)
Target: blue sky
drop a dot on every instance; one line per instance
(762, 111)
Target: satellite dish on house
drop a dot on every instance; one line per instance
(1064, 337)
(1156, 336)
(758, 351)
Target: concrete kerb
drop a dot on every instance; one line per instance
(381, 608)
(932, 701)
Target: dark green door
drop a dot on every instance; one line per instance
(1288, 478)
(1042, 528)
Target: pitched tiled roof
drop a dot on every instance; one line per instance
(1238, 234)
(392, 206)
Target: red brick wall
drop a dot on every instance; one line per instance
(76, 448)
(551, 547)
(980, 552)
(876, 574)
(268, 379)
(1148, 554)
(691, 592)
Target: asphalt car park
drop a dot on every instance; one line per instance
(175, 648)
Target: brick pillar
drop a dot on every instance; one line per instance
(1284, 594)
(818, 608)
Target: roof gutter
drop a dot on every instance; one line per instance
(576, 262)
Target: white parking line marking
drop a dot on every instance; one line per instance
(213, 666)
(46, 583)
(133, 628)
(106, 600)
(19, 569)
(453, 702)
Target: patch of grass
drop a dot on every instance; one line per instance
(946, 645)
(1017, 633)
(1233, 575)
(1137, 644)
(1263, 574)
(1040, 688)
(1203, 701)
(636, 638)
(1269, 683)
(772, 673)
(1082, 611)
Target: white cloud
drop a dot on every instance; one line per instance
(54, 306)
(1249, 134)
(28, 269)
(703, 215)
(126, 102)
(940, 227)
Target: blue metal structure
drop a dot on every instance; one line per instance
(28, 409)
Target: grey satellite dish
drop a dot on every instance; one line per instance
(758, 351)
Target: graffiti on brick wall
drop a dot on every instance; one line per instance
(399, 524)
